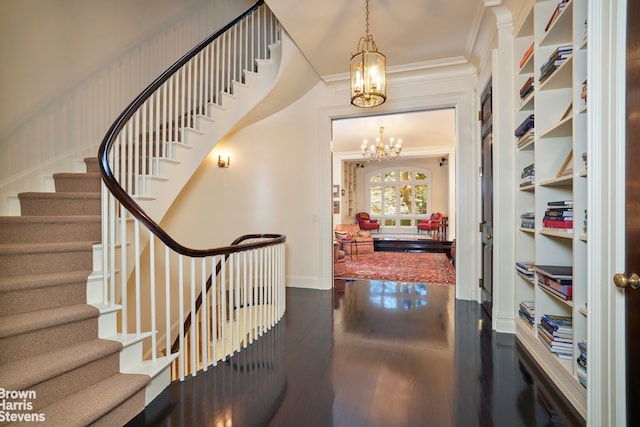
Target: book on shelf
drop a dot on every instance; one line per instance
(554, 15)
(527, 220)
(555, 342)
(566, 226)
(560, 285)
(582, 377)
(526, 137)
(555, 271)
(559, 203)
(560, 324)
(525, 269)
(527, 88)
(527, 312)
(556, 59)
(561, 352)
(524, 126)
(565, 295)
(526, 55)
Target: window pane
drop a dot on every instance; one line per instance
(389, 222)
(390, 176)
(406, 200)
(376, 178)
(405, 176)
(421, 199)
(376, 200)
(420, 176)
(390, 200)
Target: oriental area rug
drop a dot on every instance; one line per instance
(411, 267)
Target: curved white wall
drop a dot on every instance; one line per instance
(75, 65)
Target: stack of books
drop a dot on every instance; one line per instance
(526, 55)
(556, 279)
(556, 59)
(527, 88)
(556, 333)
(528, 176)
(582, 363)
(527, 312)
(556, 12)
(528, 220)
(524, 126)
(525, 269)
(526, 137)
(559, 214)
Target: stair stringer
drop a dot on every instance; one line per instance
(132, 359)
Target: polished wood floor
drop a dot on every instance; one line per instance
(374, 354)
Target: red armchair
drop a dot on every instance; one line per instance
(432, 225)
(366, 223)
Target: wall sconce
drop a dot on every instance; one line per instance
(224, 163)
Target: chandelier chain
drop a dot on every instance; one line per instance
(367, 18)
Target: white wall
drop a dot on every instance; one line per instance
(280, 176)
(74, 65)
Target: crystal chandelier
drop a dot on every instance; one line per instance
(381, 151)
(368, 71)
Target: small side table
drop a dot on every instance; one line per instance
(352, 244)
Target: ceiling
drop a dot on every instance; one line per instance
(416, 129)
(411, 33)
(408, 32)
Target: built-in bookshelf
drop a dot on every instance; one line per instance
(550, 88)
(348, 192)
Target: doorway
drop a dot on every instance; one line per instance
(427, 136)
(486, 183)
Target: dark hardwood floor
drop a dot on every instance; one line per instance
(374, 354)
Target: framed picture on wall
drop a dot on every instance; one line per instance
(336, 191)
(336, 206)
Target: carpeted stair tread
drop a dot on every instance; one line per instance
(37, 248)
(92, 165)
(37, 281)
(70, 182)
(49, 195)
(60, 204)
(24, 374)
(32, 292)
(36, 229)
(89, 405)
(15, 324)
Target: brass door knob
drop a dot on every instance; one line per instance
(622, 281)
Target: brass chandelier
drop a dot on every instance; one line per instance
(368, 71)
(381, 151)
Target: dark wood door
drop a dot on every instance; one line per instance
(486, 226)
(632, 296)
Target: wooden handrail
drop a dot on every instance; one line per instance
(125, 199)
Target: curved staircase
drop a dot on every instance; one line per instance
(49, 334)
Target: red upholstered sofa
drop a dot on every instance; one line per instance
(366, 223)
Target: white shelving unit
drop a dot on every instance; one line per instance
(349, 186)
(560, 128)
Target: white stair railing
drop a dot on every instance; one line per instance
(234, 293)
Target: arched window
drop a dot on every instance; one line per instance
(399, 197)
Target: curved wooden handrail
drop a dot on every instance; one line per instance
(125, 199)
